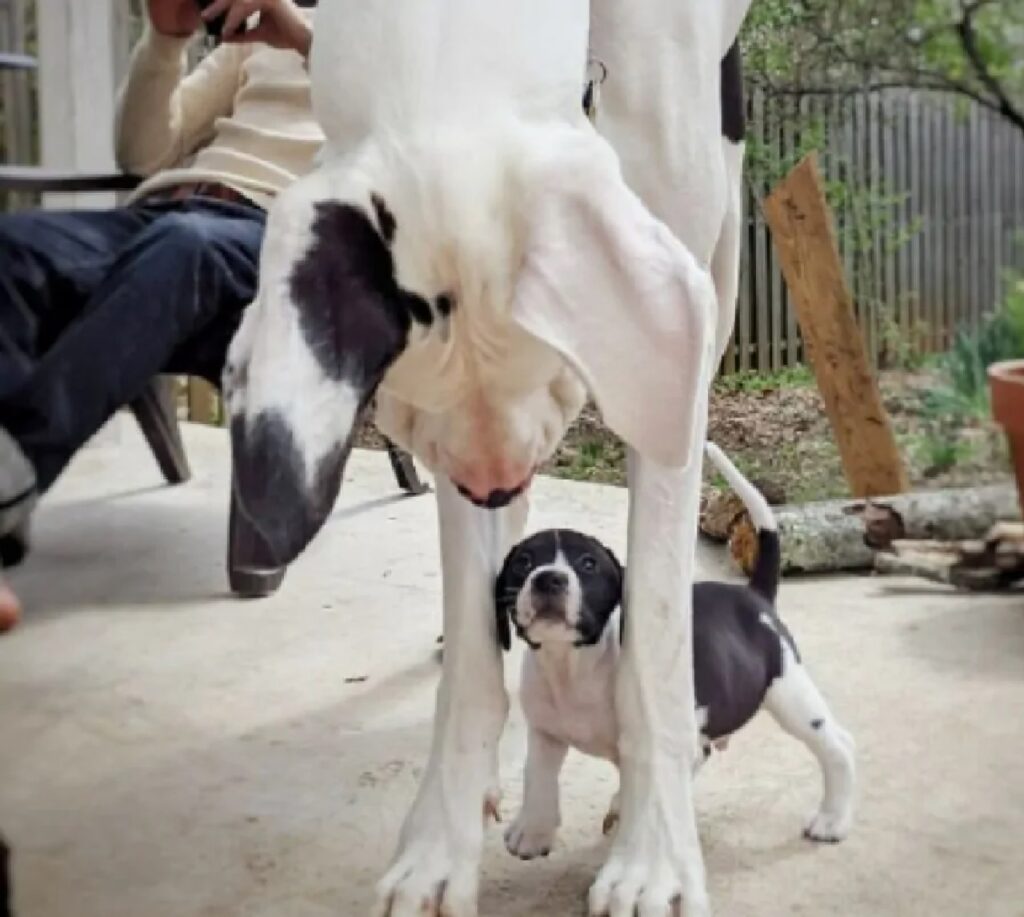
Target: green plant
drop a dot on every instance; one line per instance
(752, 381)
(940, 449)
(999, 336)
(901, 347)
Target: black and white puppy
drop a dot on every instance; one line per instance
(561, 591)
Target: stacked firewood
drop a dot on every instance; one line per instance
(989, 564)
(966, 538)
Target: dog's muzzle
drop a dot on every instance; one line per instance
(549, 590)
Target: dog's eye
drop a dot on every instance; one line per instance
(524, 562)
(587, 564)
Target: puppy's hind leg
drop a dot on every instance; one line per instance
(532, 834)
(798, 707)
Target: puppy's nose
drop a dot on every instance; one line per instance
(550, 582)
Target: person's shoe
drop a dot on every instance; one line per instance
(18, 490)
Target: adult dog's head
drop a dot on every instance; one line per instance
(477, 281)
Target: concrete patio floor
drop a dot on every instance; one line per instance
(166, 751)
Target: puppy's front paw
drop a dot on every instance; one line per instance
(828, 828)
(529, 840)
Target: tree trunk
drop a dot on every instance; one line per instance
(844, 535)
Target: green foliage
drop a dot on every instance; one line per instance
(971, 47)
(939, 449)
(1000, 336)
(798, 376)
(901, 347)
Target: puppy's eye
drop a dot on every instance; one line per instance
(524, 562)
(587, 564)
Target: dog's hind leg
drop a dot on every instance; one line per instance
(798, 707)
(436, 869)
(532, 834)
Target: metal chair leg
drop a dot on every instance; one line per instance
(5, 880)
(405, 470)
(157, 415)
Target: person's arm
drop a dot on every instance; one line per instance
(163, 115)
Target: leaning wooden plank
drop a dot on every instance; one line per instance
(845, 535)
(803, 231)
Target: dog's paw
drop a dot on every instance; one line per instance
(530, 840)
(436, 870)
(627, 886)
(611, 820)
(655, 867)
(426, 880)
(828, 828)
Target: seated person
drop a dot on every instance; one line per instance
(93, 304)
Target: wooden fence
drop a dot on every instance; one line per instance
(953, 175)
(934, 225)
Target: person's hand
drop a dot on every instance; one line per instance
(281, 23)
(179, 18)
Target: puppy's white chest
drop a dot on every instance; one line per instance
(575, 706)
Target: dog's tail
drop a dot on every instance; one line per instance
(767, 569)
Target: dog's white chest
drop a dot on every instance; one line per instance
(578, 709)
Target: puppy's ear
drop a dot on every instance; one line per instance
(612, 289)
(328, 322)
(621, 571)
(615, 563)
(501, 609)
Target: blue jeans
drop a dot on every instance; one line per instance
(93, 304)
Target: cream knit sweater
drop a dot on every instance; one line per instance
(242, 118)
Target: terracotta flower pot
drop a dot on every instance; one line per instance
(1007, 384)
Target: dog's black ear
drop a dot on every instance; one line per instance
(328, 323)
(501, 609)
(621, 571)
(504, 628)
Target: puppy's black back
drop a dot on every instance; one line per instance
(737, 653)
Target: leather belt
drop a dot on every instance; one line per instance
(214, 190)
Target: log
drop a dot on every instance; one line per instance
(803, 232)
(845, 535)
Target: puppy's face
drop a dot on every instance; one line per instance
(558, 588)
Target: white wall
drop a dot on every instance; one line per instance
(79, 55)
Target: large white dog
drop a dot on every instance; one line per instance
(475, 255)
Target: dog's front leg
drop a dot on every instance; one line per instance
(656, 855)
(436, 869)
(533, 832)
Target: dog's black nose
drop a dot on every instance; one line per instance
(550, 582)
(496, 499)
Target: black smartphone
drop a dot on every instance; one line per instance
(215, 27)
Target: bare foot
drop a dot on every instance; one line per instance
(10, 608)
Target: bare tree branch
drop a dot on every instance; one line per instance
(969, 42)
